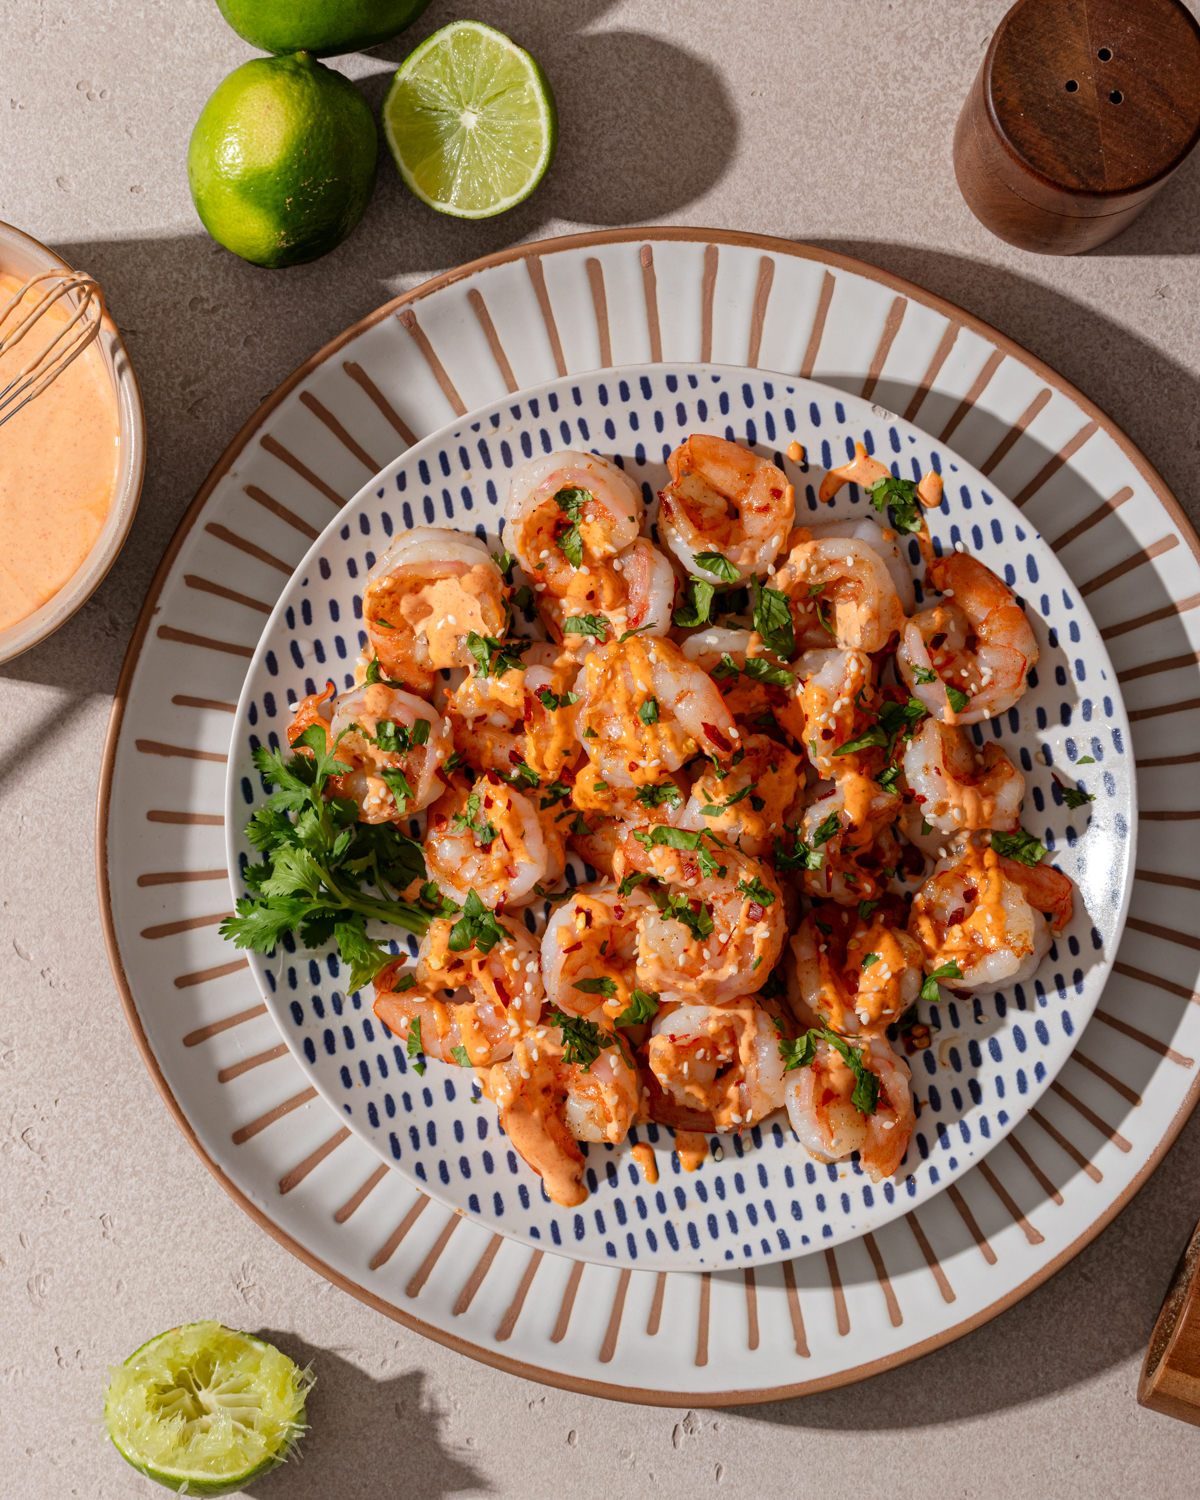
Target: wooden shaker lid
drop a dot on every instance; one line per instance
(1170, 1381)
(1080, 113)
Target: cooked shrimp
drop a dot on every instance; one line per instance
(551, 496)
(593, 938)
(424, 596)
(849, 826)
(830, 1128)
(393, 761)
(521, 716)
(975, 913)
(976, 643)
(646, 709)
(835, 697)
(723, 498)
(490, 839)
(848, 583)
(636, 591)
(855, 974)
(717, 935)
(957, 788)
(747, 799)
(719, 1060)
(752, 695)
(546, 1104)
(885, 541)
(605, 814)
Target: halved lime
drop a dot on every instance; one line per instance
(204, 1409)
(471, 122)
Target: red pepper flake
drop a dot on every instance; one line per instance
(755, 911)
(500, 990)
(717, 737)
(971, 894)
(957, 915)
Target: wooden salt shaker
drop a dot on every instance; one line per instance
(1170, 1380)
(1080, 113)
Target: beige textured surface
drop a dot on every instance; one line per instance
(824, 120)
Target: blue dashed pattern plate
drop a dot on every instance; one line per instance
(757, 1198)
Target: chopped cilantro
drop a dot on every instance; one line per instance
(1085, 760)
(929, 990)
(413, 1045)
(521, 775)
(648, 712)
(507, 658)
(696, 610)
(755, 890)
(773, 621)
(719, 566)
(922, 675)
(698, 923)
(666, 795)
(397, 783)
(1020, 846)
(725, 668)
(869, 959)
(583, 1041)
(571, 501)
(901, 495)
(375, 675)
(477, 928)
(715, 809)
(593, 625)
(637, 630)
(802, 1053)
(865, 908)
(485, 832)
(828, 829)
(803, 858)
(1073, 796)
(461, 1056)
(552, 702)
(634, 878)
(556, 792)
(887, 779)
(605, 986)
(759, 669)
(874, 738)
(642, 1007)
(506, 562)
(958, 699)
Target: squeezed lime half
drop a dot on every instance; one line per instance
(470, 121)
(204, 1409)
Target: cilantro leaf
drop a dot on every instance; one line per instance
(725, 668)
(773, 621)
(461, 1056)
(634, 878)
(642, 1007)
(397, 784)
(865, 908)
(923, 675)
(375, 675)
(715, 809)
(802, 1053)
(666, 795)
(1085, 760)
(476, 928)
(719, 566)
(875, 737)
(679, 907)
(593, 625)
(1020, 846)
(605, 986)
(803, 858)
(583, 1041)
(799, 1052)
(648, 711)
(523, 599)
(929, 990)
(759, 669)
(556, 792)
(551, 701)
(1074, 797)
(869, 959)
(569, 538)
(696, 610)
(637, 630)
(755, 890)
(887, 779)
(958, 699)
(506, 562)
(901, 495)
(521, 776)
(828, 829)
(412, 1046)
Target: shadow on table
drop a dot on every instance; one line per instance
(1094, 1315)
(367, 1437)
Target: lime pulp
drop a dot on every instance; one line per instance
(204, 1409)
(471, 122)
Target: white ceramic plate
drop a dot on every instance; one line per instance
(759, 1196)
(216, 1055)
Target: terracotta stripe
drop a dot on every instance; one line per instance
(889, 1296)
(187, 638)
(1140, 1036)
(182, 700)
(839, 1296)
(1010, 1203)
(931, 1260)
(387, 410)
(285, 456)
(751, 1308)
(475, 1279)
(203, 820)
(1051, 467)
(509, 1320)
(186, 924)
(493, 339)
(533, 264)
(1170, 815)
(808, 363)
(1150, 669)
(180, 877)
(1184, 881)
(296, 1176)
(702, 1325)
(969, 1220)
(1073, 1152)
(356, 1199)
(940, 355)
(1101, 513)
(1006, 443)
(227, 1075)
(425, 1270)
(708, 288)
(194, 1038)
(1177, 607)
(656, 1305)
(994, 360)
(1168, 934)
(1137, 715)
(595, 274)
(568, 1302)
(1091, 1117)
(758, 317)
(327, 419)
(153, 747)
(793, 1299)
(650, 292)
(1043, 1181)
(891, 328)
(419, 337)
(1147, 554)
(1106, 1077)
(251, 549)
(609, 1347)
(203, 586)
(288, 517)
(1163, 984)
(388, 1248)
(255, 1127)
(1170, 760)
(218, 971)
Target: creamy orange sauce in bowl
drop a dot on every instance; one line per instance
(71, 466)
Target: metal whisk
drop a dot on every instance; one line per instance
(85, 309)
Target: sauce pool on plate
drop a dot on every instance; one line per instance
(58, 469)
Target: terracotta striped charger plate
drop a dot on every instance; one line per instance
(459, 343)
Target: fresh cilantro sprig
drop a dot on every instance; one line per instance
(317, 859)
(755, 890)
(901, 495)
(828, 829)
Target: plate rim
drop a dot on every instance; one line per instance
(234, 807)
(647, 234)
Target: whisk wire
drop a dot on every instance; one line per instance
(75, 333)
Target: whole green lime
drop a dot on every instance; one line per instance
(282, 161)
(322, 27)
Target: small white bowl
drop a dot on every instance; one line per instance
(22, 256)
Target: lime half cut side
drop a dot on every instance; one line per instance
(204, 1410)
(470, 121)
